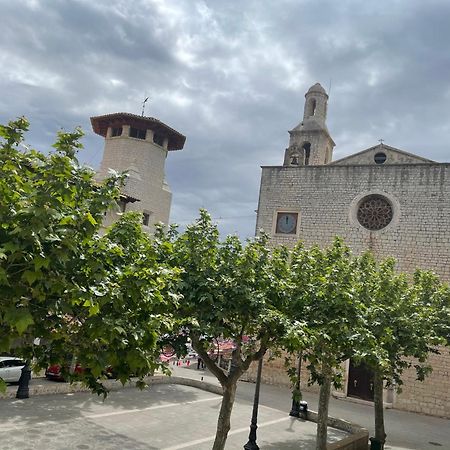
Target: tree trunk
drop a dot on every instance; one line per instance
(380, 434)
(322, 416)
(223, 423)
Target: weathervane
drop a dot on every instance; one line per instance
(143, 106)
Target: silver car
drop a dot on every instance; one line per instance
(11, 368)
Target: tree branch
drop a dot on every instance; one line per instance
(254, 356)
(210, 364)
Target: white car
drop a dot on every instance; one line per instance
(11, 368)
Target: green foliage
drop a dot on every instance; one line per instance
(102, 299)
(405, 318)
(407, 324)
(116, 322)
(50, 207)
(229, 290)
(324, 296)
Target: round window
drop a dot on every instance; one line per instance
(374, 212)
(380, 158)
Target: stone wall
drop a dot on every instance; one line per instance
(431, 396)
(326, 199)
(144, 161)
(111, 385)
(358, 439)
(274, 372)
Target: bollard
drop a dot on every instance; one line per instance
(303, 409)
(375, 444)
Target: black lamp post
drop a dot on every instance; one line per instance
(251, 444)
(23, 390)
(295, 409)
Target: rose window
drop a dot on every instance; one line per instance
(374, 212)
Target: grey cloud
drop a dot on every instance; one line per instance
(232, 78)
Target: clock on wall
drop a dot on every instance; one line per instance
(286, 223)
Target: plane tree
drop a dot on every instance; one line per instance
(324, 295)
(124, 304)
(230, 291)
(99, 298)
(406, 320)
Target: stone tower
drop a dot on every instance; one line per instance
(310, 142)
(138, 145)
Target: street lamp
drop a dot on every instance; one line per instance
(23, 390)
(295, 409)
(251, 444)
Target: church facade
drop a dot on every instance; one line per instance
(384, 199)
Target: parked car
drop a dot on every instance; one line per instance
(54, 372)
(11, 368)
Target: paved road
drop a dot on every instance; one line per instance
(164, 417)
(82, 421)
(406, 431)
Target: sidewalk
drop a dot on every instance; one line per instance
(406, 431)
(163, 417)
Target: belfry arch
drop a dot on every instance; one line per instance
(311, 136)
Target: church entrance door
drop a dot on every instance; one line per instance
(360, 382)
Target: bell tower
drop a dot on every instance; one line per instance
(138, 145)
(310, 142)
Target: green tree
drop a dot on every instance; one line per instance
(230, 291)
(406, 326)
(323, 295)
(99, 298)
(124, 304)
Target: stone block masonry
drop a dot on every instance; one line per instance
(382, 199)
(327, 197)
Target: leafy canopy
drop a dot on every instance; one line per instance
(102, 299)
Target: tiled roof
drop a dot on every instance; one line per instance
(100, 126)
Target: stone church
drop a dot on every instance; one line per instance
(382, 198)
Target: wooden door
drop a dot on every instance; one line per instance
(360, 382)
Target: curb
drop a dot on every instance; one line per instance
(112, 385)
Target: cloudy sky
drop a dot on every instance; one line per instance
(230, 75)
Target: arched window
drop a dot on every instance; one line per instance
(307, 149)
(313, 107)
